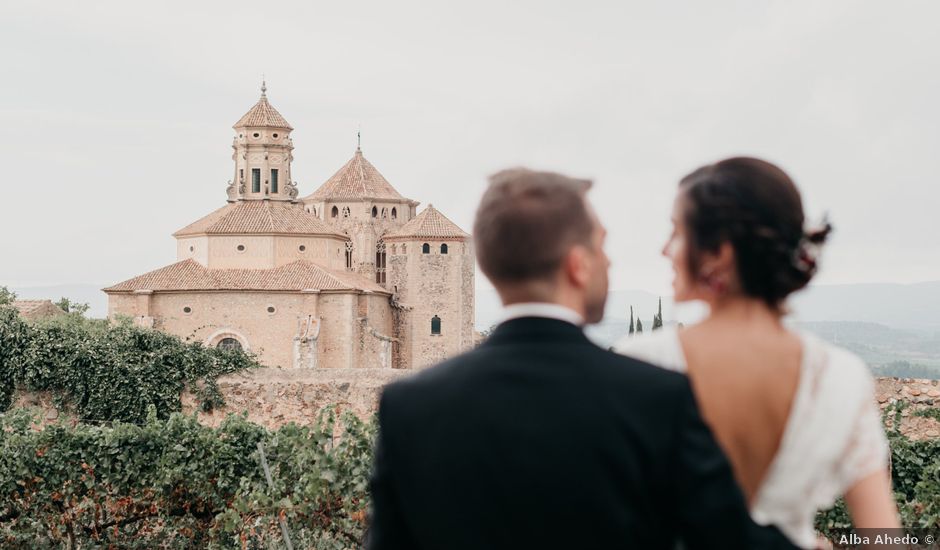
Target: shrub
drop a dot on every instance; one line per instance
(106, 372)
(915, 474)
(175, 483)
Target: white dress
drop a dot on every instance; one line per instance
(833, 437)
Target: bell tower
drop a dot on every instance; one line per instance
(262, 154)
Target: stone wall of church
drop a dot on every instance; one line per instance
(376, 338)
(346, 330)
(123, 304)
(356, 331)
(322, 251)
(428, 286)
(195, 248)
(336, 343)
(257, 252)
(261, 251)
(364, 230)
(468, 333)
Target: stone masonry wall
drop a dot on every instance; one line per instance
(347, 329)
(276, 396)
(273, 397)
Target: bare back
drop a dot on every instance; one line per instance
(745, 378)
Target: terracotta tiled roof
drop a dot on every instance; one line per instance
(298, 275)
(29, 308)
(263, 114)
(358, 179)
(259, 216)
(429, 224)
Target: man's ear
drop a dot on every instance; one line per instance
(577, 266)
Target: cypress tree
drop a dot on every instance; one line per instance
(658, 318)
(639, 325)
(631, 320)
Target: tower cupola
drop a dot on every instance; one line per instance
(262, 153)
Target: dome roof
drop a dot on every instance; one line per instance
(429, 224)
(357, 179)
(263, 115)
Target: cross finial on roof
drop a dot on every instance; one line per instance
(264, 87)
(359, 139)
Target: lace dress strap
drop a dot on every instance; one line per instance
(833, 439)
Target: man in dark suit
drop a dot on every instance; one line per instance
(538, 438)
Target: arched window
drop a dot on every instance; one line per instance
(425, 248)
(435, 325)
(394, 214)
(349, 251)
(334, 212)
(380, 263)
(444, 248)
(345, 211)
(313, 210)
(375, 212)
(229, 343)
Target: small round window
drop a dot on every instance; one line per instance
(192, 248)
(240, 248)
(274, 136)
(271, 309)
(256, 134)
(187, 310)
(302, 248)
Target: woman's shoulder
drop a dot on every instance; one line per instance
(659, 347)
(838, 363)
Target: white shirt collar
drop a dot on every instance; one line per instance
(541, 309)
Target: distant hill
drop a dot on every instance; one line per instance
(913, 306)
(882, 346)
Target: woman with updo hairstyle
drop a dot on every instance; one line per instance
(796, 416)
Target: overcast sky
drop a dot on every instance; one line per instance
(115, 117)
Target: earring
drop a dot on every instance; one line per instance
(719, 285)
(715, 283)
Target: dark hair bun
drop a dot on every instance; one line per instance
(756, 207)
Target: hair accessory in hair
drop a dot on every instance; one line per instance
(806, 255)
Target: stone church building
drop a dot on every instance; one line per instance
(349, 276)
